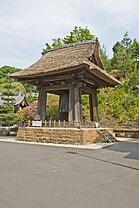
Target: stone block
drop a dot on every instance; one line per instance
(58, 135)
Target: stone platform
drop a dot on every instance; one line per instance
(61, 135)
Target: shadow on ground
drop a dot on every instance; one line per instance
(103, 160)
(131, 147)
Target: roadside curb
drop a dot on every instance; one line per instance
(89, 146)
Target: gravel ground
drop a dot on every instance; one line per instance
(88, 146)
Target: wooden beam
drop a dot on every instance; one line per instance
(58, 87)
(63, 78)
(87, 80)
(55, 92)
(87, 89)
(56, 78)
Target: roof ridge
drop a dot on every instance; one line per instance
(71, 45)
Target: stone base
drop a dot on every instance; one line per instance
(127, 133)
(59, 135)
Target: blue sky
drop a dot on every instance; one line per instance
(26, 25)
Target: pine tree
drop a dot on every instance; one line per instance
(7, 114)
(126, 42)
(122, 59)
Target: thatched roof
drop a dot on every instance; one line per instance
(67, 57)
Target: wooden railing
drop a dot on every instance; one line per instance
(62, 124)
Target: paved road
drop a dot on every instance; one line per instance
(35, 176)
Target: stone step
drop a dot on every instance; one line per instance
(106, 136)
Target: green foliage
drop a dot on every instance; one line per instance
(85, 108)
(125, 57)
(134, 49)
(7, 70)
(118, 103)
(133, 82)
(76, 35)
(8, 87)
(52, 107)
(7, 115)
(122, 103)
(121, 61)
(126, 42)
(30, 88)
(31, 97)
(31, 91)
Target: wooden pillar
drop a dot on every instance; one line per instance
(91, 107)
(71, 106)
(59, 114)
(94, 116)
(41, 110)
(77, 104)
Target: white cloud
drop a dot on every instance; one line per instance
(25, 26)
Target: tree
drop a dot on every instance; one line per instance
(119, 103)
(76, 35)
(7, 70)
(126, 42)
(7, 114)
(134, 48)
(122, 59)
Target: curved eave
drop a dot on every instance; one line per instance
(103, 75)
(26, 77)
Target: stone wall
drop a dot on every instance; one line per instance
(127, 133)
(58, 135)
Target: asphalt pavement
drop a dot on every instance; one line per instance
(39, 176)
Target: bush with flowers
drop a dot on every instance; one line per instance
(28, 113)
